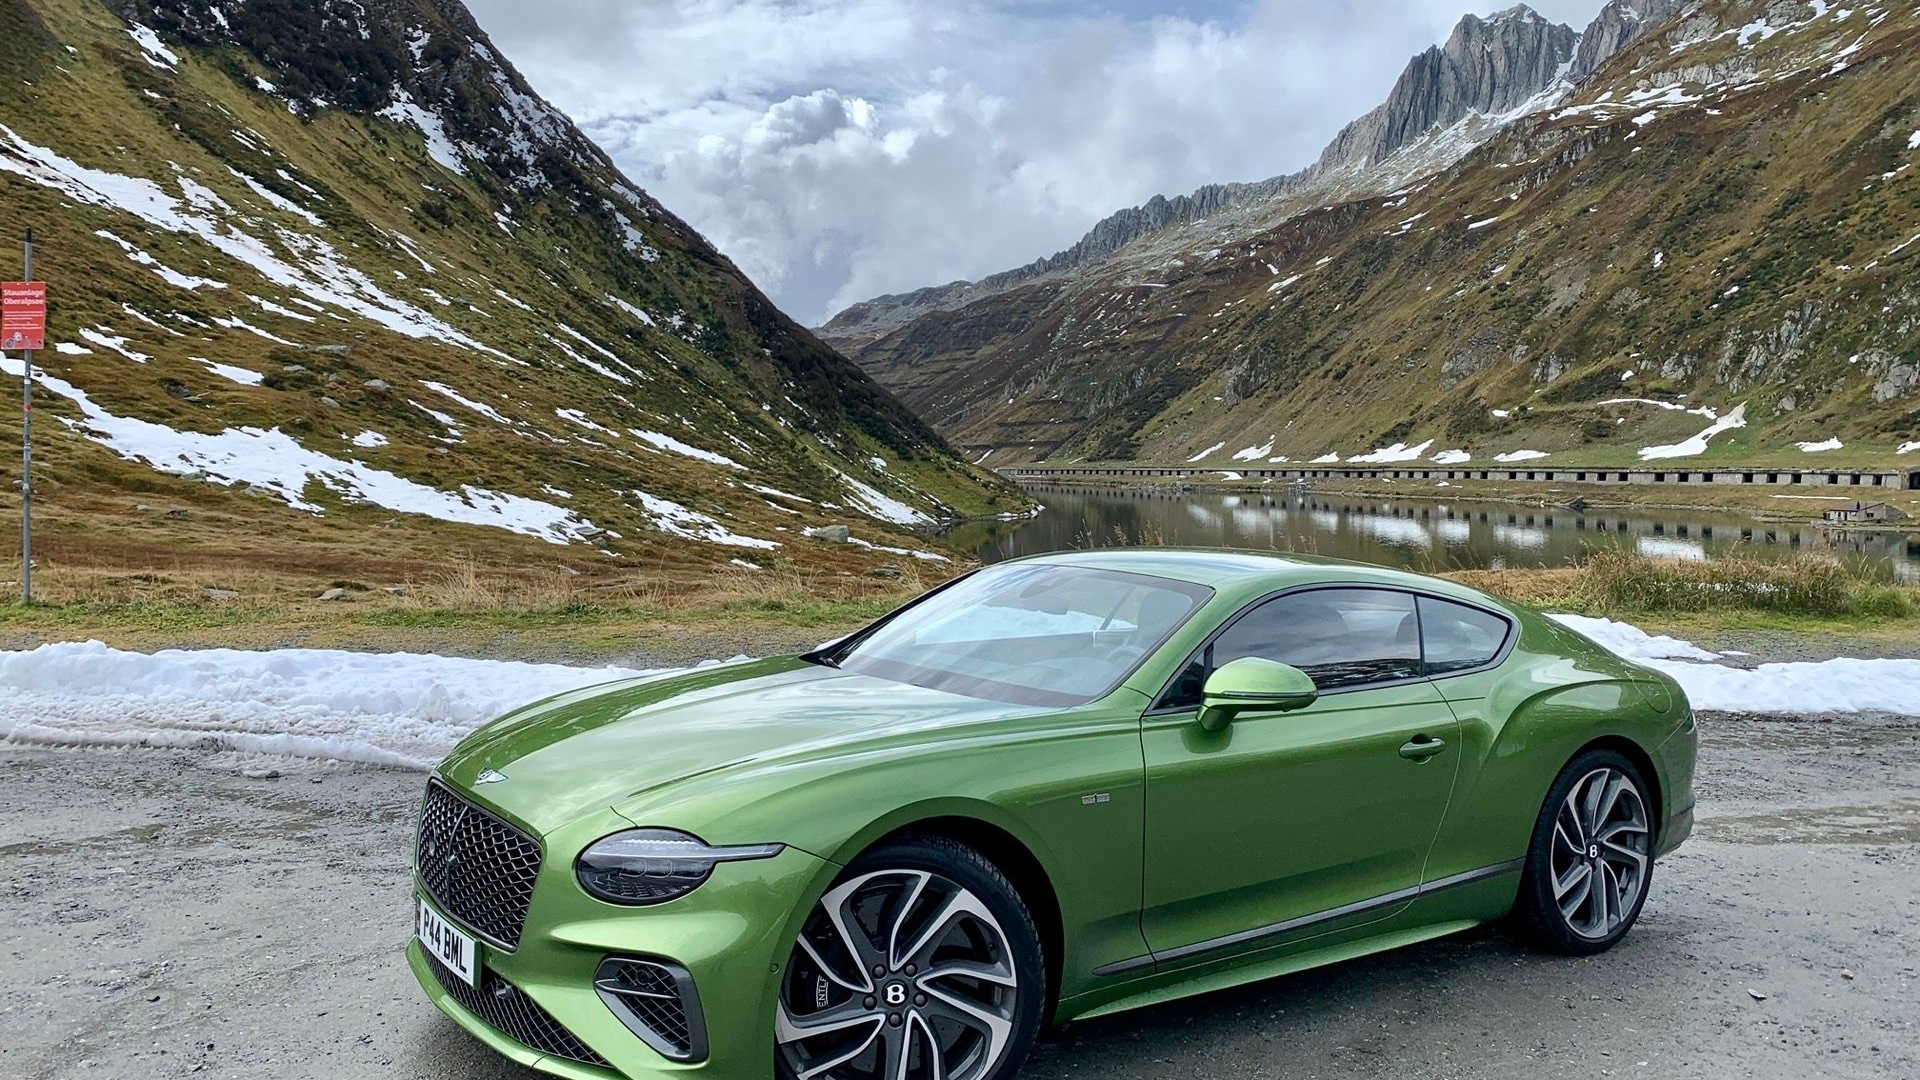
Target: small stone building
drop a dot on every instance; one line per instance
(1864, 512)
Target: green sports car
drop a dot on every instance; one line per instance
(1051, 789)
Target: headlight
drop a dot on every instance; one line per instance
(653, 866)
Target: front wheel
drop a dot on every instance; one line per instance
(921, 963)
(1591, 858)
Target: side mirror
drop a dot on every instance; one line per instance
(1251, 684)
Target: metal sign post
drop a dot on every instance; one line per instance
(23, 326)
(26, 450)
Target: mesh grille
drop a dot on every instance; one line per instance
(478, 868)
(656, 1002)
(503, 1006)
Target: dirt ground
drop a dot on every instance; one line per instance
(166, 914)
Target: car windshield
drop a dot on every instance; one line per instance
(1025, 633)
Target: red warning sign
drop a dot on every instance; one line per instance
(23, 315)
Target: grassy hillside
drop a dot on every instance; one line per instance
(1727, 215)
(336, 294)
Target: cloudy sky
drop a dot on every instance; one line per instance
(838, 149)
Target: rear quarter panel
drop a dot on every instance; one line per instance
(1524, 720)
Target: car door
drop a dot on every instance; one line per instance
(1286, 825)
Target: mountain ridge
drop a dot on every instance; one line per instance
(1464, 76)
(1719, 217)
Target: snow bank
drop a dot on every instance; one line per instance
(1842, 685)
(404, 709)
(1697, 445)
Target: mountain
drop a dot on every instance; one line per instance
(1542, 243)
(332, 278)
(1444, 97)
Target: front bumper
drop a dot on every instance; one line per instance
(732, 935)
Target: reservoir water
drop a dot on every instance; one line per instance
(1418, 534)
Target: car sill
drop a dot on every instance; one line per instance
(1294, 927)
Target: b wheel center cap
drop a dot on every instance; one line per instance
(1593, 852)
(894, 994)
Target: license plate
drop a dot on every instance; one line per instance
(444, 942)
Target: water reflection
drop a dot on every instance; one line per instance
(1417, 534)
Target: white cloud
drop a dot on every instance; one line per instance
(841, 148)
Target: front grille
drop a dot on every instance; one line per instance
(478, 868)
(505, 1007)
(657, 1002)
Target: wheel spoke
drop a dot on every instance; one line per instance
(958, 905)
(1610, 798)
(827, 969)
(1562, 886)
(994, 1027)
(936, 1061)
(895, 1052)
(789, 1028)
(1596, 790)
(1602, 900)
(901, 914)
(861, 950)
(1582, 892)
(1000, 974)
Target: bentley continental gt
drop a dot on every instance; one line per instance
(1054, 788)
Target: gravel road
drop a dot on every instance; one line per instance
(166, 914)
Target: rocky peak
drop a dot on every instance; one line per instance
(1617, 25)
(1487, 66)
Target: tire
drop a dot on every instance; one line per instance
(1584, 885)
(950, 962)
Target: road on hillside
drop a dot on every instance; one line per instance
(167, 915)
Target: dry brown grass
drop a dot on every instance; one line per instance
(1813, 585)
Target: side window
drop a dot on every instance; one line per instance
(1339, 637)
(1458, 637)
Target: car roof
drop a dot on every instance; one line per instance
(1230, 567)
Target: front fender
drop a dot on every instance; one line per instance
(1069, 787)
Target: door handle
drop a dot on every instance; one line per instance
(1422, 747)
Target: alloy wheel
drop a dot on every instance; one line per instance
(1602, 851)
(898, 975)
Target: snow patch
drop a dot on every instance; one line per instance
(1697, 444)
(675, 446)
(1520, 455)
(440, 146)
(398, 709)
(1843, 685)
(1208, 452)
(1820, 447)
(153, 50)
(271, 459)
(676, 520)
(1398, 452)
(1452, 457)
(875, 503)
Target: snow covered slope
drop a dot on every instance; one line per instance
(339, 261)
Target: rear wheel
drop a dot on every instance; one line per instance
(1591, 858)
(921, 963)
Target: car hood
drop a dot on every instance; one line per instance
(593, 749)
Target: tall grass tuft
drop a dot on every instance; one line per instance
(1812, 585)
